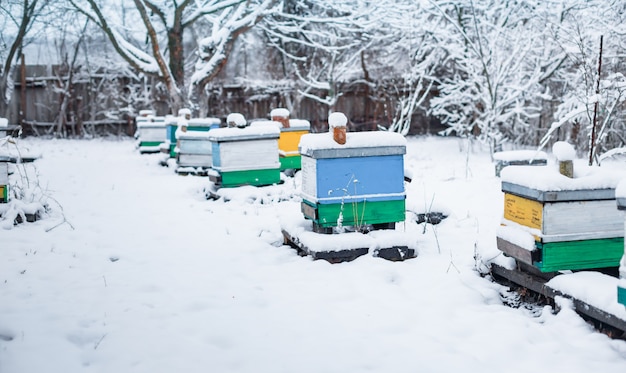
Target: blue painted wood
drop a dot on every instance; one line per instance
(353, 178)
(217, 162)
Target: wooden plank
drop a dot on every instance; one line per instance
(538, 285)
(516, 251)
(333, 256)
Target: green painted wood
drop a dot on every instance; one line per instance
(355, 214)
(150, 143)
(250, 177)
(586, 254)
(291, 162)
(621, 295)
(4, 193)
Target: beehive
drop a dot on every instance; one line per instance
(289, 155)
(355, 184)
(573, 221)
(245, 156)
(194, 147)
(150, 133)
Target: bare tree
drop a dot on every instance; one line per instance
(17, 18)
(500, 57)
(164, 58)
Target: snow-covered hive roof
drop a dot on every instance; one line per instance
(4, 122)
(548, 178)
(204, 122)
(519, 155)
(244, 133)
(294, 124)
(387, 142)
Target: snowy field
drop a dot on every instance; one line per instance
(146, 275)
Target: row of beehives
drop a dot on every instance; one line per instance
(240, 153)
(559, 219)
(338, 169)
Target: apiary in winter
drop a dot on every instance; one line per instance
(555, 222)
(4, 182)
(150, 133)
(245, 156)
(357, 183)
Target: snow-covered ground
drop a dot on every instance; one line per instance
(146, 275)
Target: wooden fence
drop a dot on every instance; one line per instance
(47, 102)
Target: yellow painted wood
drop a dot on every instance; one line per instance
(523, 211)
(289, 141)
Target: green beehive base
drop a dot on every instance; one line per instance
(576, 255)
(250, 177)
(621, 295)
(291, 162)
(355, 213)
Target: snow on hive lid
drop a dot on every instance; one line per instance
(265, 122)
(204, 122)
(337, 119)
(237, 119)
(145, 113)
(193, 135)
(279, 112)
(244, 133)
(299, 125)
(548, 179)
(4, 122)
(387, 143)
(519, 155)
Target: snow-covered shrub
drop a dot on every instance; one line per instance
(27, 200)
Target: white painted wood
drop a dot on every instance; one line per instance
(195, 160)
(248, 155)
(152, 133)
(309, 172)
(578, 217)
(4, 173)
